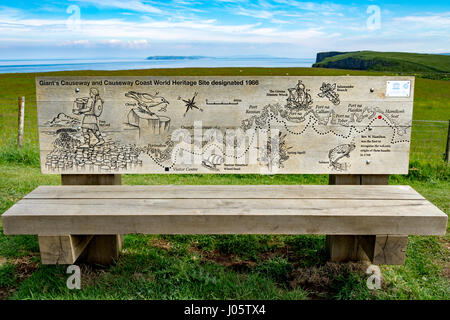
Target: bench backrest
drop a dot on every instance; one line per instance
(289, 124)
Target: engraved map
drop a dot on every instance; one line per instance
(271, 125)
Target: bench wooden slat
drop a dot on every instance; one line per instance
(220, 215)
(226, 191)
(225, 224)
(99, 207)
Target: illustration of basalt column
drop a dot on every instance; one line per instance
(149, 124)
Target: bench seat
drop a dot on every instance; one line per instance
(225, 209)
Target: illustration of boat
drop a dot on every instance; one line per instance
(299, 98)
(212, 162)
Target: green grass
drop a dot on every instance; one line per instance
(223, 267)
(211, 266)
(393, 61)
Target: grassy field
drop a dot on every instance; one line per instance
(392, 61)
(218, 267)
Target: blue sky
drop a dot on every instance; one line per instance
(283, 28)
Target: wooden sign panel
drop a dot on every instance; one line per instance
(336, 125)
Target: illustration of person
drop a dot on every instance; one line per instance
(91, 109)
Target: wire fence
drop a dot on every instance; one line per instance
(429, 138)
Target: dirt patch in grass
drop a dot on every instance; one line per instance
(446, 271)
(161, 243)
(23, 268)
(6, 292)
(295, 256)
(232, 261)
(286, 251)
(3, 260)
(444, 261)
(90, 273)
(237, 263)
(320, 279)
(445, 242)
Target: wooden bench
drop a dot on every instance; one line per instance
(356, 129)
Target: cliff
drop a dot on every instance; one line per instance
(431, 65)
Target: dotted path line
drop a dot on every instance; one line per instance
(272, 117)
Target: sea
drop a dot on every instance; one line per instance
(44, 65)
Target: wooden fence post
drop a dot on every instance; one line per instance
(21, 121)
(447, 149)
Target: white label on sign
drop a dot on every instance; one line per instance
(398, 88)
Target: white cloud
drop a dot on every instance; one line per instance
(440, 21)
(7, 12)
(261, 14)
(310, 6)
(279, 21)
(202, 30)
(132, 5)
(311, 28)
(114, 43)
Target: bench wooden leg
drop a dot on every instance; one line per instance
(91, 179)
(62, 249)
(366, 179)
(344, 248)
(379, 249)
(99, 249)
(103, 249)
(384, 249)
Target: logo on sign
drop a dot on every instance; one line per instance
(398, 88)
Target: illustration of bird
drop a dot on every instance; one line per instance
(147, 101)
(190, 104)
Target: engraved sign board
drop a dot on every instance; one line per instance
(195, 124)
